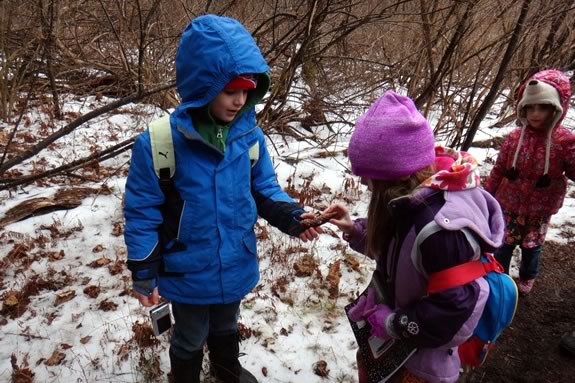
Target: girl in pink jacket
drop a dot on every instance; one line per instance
(529, 178)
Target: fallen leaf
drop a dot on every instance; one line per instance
(85, 339)
(116, 267)
(92, 291)
(352, 262)
(56, 358)
(98, 249)
(118, 229)
(56, 255)
(107, 305)
(64, 297)
(320, 368)
(305, 266)
(11, 300)
(333, 279)
(102, 261)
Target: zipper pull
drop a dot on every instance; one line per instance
(220, 133)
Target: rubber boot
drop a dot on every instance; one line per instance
(567, 344)
(186, 370)
(224, 353)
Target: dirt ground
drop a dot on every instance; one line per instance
(528, 350)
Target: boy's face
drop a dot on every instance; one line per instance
(228, 103)
(539, 116)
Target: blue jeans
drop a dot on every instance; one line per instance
(195, 322)
(529, 267)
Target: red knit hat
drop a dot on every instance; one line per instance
(243, 81)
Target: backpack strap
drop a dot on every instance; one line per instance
(462, 274)
(457, 275)
(163, 151)
(432, 228)
(254, 153)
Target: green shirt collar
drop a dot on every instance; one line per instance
(216, 132)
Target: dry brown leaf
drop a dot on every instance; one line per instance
(320, 368)
(98, 249)
(64, 296)
(11, 300)
(333, 279)
(107, 305)
(85, 339)
(92, 291)
(124, 352)
(102, 261)
(352, 262)
(116, 267)
(56, 358)
(56, 255)
(305, 266)
(21, 374)
(118, 229)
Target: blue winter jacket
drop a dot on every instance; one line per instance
(198, 243)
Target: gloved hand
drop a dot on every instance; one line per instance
(295, 216)
(377, 319)
(364, 308)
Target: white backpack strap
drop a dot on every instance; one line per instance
(432, 228)
(254, 153)
(162, 145)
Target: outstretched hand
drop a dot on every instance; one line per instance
(341, 219)
(311, 232)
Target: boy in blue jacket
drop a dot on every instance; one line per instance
(195, 245)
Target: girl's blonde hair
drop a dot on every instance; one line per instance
(380, 225)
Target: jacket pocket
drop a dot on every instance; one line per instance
(195, 258)
(249, 241)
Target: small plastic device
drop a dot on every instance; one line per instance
(161, 318)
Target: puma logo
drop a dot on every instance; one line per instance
(164, 154)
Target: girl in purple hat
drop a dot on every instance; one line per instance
(529, 178)
(418, 191)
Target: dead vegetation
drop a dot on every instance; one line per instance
(63, 199)
(329, 58)
(21, 373)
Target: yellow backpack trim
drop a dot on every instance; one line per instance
(162, 145)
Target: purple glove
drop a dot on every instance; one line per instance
(377, 319)
(364, 307)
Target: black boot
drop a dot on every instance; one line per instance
(186, 370)
(224, 353)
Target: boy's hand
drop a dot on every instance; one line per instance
(148, 300)
(311, 232)
(341, 219)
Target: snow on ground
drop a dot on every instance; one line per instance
(70, 333)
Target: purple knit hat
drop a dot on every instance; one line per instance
(391, 140)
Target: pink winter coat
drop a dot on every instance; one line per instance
(521, 196)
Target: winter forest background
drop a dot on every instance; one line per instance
(80, 79)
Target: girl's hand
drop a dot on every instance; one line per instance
(342, 219)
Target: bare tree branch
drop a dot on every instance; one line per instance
(79, 121)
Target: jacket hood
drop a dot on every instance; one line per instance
(466, 204)
(557, 80)
(212, 51)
